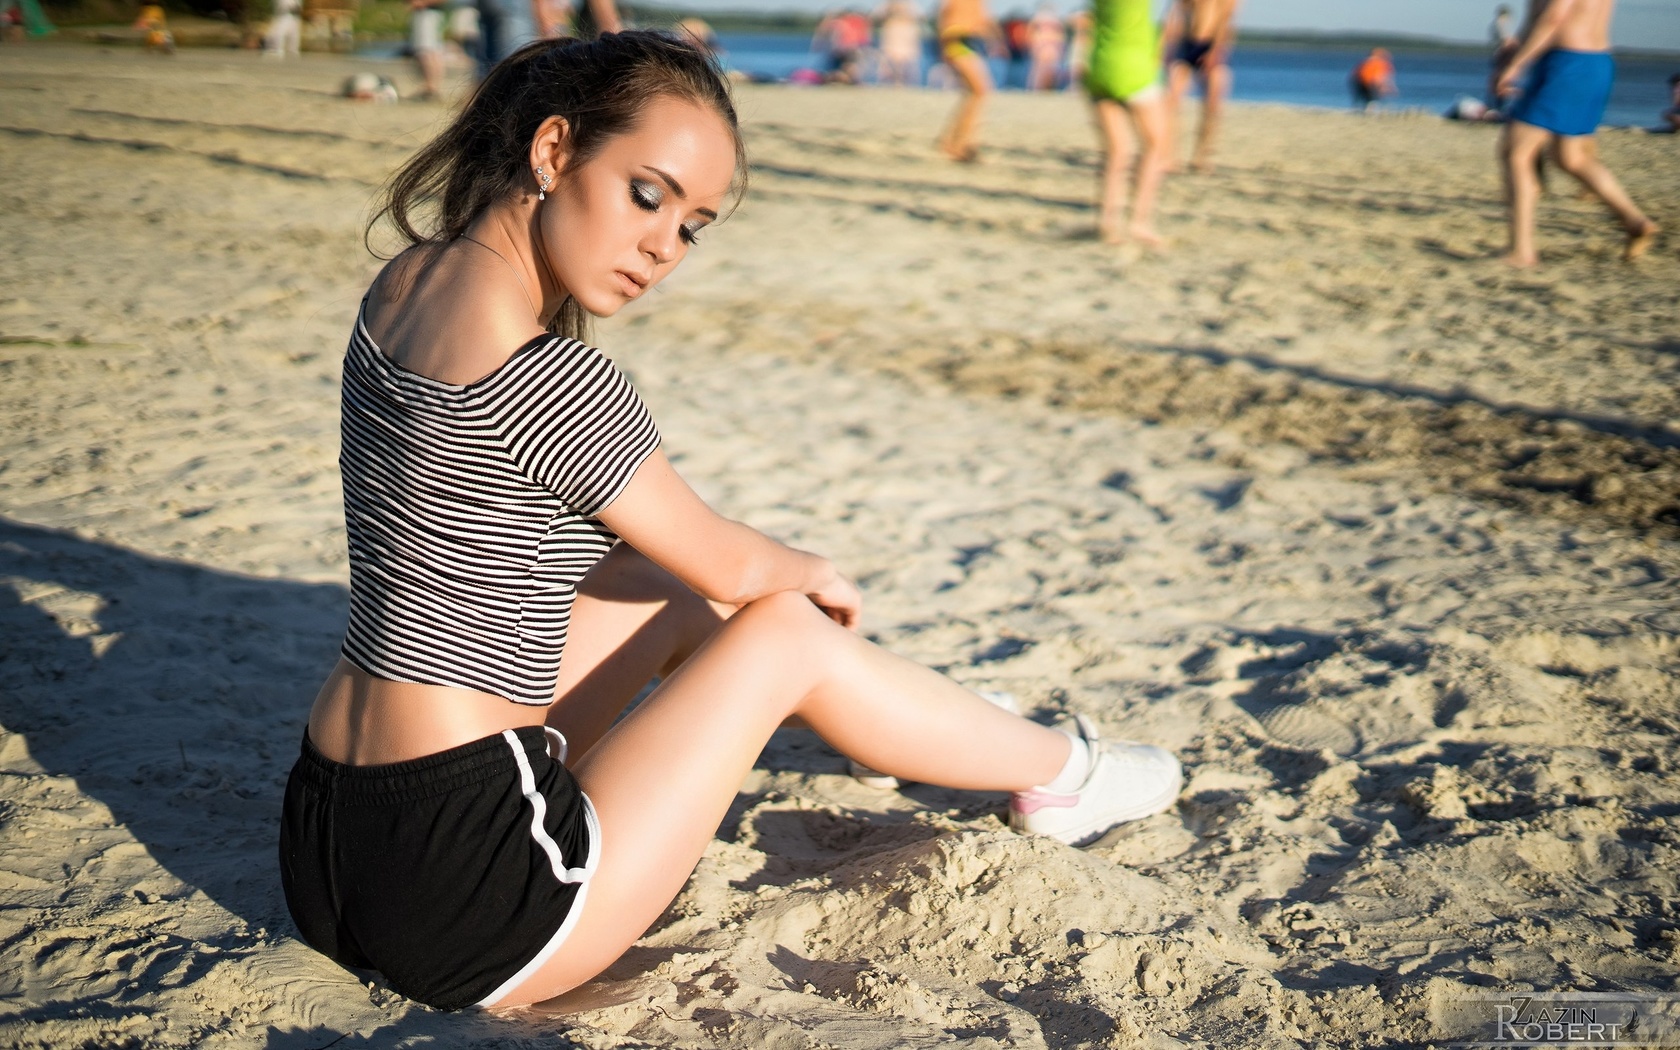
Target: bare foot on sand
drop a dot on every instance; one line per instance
(1639, 241)
(1520, 260)
(1109, 230)
(1147, 237)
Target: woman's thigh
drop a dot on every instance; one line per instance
(662, 780)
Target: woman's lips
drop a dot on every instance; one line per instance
(631, 284)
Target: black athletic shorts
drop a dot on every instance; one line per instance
(456, 875)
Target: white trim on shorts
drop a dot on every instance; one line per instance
(580, 876)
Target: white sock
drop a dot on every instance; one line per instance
(1078, 767)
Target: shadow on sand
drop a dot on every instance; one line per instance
(173, 694)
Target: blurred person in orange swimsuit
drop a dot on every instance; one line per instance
(967, 35)
(1197, 38)
(1373, 79)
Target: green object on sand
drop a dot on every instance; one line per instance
(35, 21)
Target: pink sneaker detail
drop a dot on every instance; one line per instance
(1127, 782)
(1029, 802)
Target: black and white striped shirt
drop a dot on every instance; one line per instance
(470, 510)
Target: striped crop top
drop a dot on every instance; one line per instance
(470, 510)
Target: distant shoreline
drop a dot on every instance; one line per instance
(793, 22)
(383, 20)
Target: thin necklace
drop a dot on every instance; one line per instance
(516, 278)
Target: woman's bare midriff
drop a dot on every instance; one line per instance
(361, 720)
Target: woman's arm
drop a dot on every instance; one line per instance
(719, 559)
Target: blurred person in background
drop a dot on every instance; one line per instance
(700, 33)
(967, 35)
(1197, 38)
(425, 39)
(1373, 79)
(1079, 48)
(155, 25)
(844, 37)
(507, 25)
(900, 35)
(1124, 82)
(1046, 47)
(1565, 50)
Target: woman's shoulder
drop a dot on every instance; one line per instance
(443, 321)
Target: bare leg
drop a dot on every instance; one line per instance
(958, 142)
(431, 72)
(1215, 89)
(662, 779)
(1117, 163)
(1578, 155)
(1148, 113)
(1521, 144)
(1179, 78)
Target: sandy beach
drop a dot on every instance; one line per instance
(1378, 534)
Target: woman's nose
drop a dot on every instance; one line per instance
(662, 243)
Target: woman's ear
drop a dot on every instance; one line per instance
(551, 150)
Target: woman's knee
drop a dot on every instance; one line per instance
(792, 623)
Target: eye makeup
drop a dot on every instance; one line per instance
(648, 197)
(645, 195)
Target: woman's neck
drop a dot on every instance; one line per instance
(513, 232)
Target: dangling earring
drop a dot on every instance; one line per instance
(542, 193)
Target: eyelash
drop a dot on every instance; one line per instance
(648, 199)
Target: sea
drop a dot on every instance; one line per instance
(1299, 76)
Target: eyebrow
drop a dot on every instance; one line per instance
(676, 188)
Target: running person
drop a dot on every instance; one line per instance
(967, 35)
(465, 816)
(1197, 38)
(1124, 82)
(1567, 44)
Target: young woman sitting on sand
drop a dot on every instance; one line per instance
(506, 500)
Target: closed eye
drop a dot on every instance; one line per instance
(645, 195)
(648, 197)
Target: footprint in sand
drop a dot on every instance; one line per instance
(1308, 726)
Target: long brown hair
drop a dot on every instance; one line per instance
(599, 87)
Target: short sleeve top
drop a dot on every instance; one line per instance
(470, 510)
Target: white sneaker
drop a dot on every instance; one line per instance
(1127, 782)
(887, 782)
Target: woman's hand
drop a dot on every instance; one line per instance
(838, 598)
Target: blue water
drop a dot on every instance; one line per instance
(1297, 76)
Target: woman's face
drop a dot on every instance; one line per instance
(615, 225)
